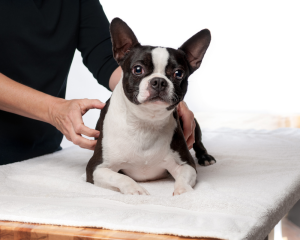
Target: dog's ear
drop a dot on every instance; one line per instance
(196, 47)
(123, 38)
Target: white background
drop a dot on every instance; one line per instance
(252, 64)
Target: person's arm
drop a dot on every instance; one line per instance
(65, 115)
(94, 42)
(115, 78)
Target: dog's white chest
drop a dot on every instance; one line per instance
(136, 147)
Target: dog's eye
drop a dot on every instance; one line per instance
(138, 70)
(178, 74)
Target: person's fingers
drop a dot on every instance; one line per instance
(187, 119)
(82, 142)
(179, 109)
(190, 142)
(67, 117)
(80, 128)
(87, 104)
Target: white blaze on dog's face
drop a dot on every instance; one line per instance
(156, 76)
(156, 87)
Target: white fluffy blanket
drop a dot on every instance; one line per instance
(255, 182)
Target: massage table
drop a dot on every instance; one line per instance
(253, 185)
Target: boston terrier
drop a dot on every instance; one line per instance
(141, 137)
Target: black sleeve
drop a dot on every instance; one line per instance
(94, 41)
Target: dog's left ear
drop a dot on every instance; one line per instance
(196, 47)
(123, 39)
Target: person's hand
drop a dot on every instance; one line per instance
(66, 116)
(187, 117)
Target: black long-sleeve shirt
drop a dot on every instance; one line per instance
(38, 39)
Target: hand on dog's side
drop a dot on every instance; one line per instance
(187, 117)
(66, 116)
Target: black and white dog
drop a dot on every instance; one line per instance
(141, 135)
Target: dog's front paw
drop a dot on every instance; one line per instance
(180, 189)
(206, 159)
(133, 189)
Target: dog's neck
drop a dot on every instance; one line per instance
(155, 114)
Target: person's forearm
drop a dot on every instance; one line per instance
(115, 78)
(22, 100)
(65, 115)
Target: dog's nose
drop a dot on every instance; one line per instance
(158, 84)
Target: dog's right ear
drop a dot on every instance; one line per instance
(195, 48)
(123, 39)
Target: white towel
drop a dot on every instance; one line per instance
(255, 182)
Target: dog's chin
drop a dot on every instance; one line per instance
(157, 100)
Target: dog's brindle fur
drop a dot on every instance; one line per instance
(97, 157)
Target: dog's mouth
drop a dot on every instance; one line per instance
(157, 98)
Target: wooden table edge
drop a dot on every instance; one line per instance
(25, 231)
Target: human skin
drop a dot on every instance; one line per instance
(66, 115)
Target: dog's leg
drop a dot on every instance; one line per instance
(204, 159)
(184, 174)
(107, 178)
(185, 180)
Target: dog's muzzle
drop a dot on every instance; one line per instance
(158, 84)
(158, 90)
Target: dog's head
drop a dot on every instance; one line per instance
(156, 75)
